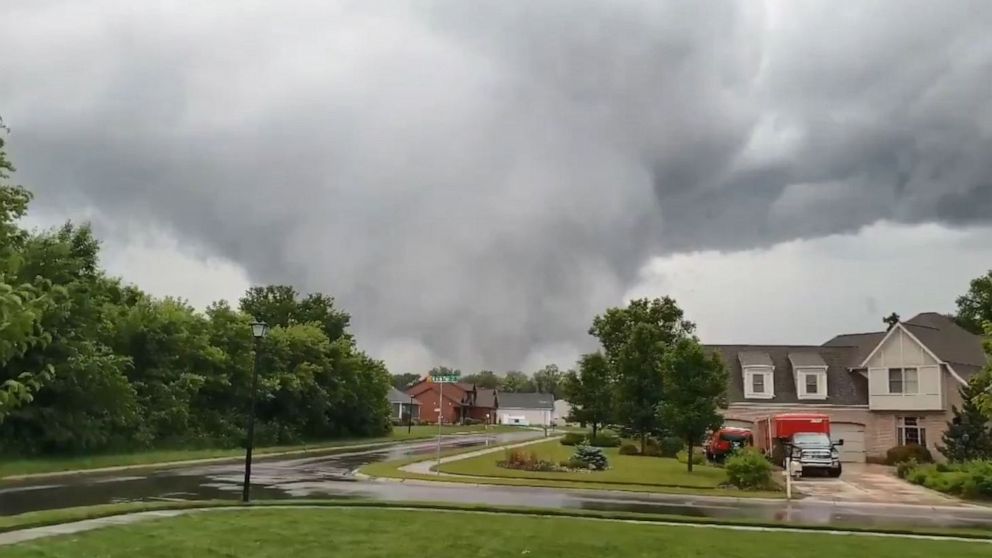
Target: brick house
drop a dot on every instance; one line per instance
(880, 389)
(459, 401)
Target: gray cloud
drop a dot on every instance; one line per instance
(483, 177)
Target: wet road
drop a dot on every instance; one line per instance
(332, 476)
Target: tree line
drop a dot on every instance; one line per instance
(89, 363)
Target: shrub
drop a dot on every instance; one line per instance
(573, 439)
(588, 457)
(670, 446)
(904, 467)
(471, 421)
(749, 470)
(697, 458)
(898, 454)
(977, 481)
(605, 440)
(519, 459)
(629, 449)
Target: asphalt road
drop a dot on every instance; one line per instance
(333, 476)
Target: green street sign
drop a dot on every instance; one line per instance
(448, 379)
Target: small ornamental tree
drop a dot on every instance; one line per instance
(968, 434)
(695, 390)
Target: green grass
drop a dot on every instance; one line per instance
(587, 481)
(30, 466)
(363, 533)
(624, 469)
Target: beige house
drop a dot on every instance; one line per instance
(880, 389)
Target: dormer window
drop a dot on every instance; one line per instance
(759, 379)
(810, 372)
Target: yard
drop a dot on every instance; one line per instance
(52, 464)
(625, 469)
(364, 533)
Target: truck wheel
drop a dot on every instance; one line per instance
(835, 472)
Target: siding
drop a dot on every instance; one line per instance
(900, 351)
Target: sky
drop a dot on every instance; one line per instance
(474, 181)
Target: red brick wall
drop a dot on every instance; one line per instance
(485, 414)
(427, 395)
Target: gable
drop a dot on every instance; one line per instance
(899, 349)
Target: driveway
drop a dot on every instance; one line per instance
(865, 482)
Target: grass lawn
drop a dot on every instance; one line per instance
(587, 481)
(625, 469)
(364, 533)
(9, 467)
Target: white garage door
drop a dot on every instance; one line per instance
(853, 450)
(733, 423)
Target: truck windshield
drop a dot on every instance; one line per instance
(733, 436)
(811, 438)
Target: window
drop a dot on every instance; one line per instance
(812, 384)
(903, 380)
(758, 383)
(910, 431)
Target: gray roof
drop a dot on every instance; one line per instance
(949, 341)
(485, 397)
(397, 396)
(754, 358)
(862, 344)
(526, 401)
(806, 358)
(844, 387)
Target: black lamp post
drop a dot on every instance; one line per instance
(258, 331)
(409, 418)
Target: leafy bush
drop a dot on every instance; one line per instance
(573, 439)
(904, 467)
(898, 454)
(971, 479)
(978, 480)
(517, 458)
(605, 440)
(670, 446)
(697, 458)
(588, 457)
(471, 421)
(749, 470)
(629, 449)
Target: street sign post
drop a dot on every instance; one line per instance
(441, 379)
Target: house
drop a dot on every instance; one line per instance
(402, 405)
(459, 402)
(534, 409)
(881, 389)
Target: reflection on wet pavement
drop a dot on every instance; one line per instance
(332, 475)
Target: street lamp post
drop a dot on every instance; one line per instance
(258, 331)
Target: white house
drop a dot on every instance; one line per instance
(526, 409)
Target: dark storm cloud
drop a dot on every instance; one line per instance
(482, 177)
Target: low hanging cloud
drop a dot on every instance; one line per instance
(475, 180)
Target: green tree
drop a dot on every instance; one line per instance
(975, 306)
(985, 399)
(486, 379)
(968, 435)
(281, 305)
(21, 303)
(548, 380)
(515, 381)
(695, 390)
(403, 381)
(589, 391)
(636, 340)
